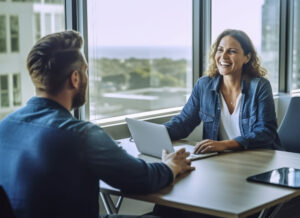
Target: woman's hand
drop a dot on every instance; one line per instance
(208, 145)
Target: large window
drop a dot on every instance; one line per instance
(22, 22)
(260, 20)
(140, 52)
(295, 81)
(140, 55)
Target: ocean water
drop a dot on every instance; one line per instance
(145, 52)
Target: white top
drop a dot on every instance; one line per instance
(229, 123)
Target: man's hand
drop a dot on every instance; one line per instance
(177, 161)
(208, 145)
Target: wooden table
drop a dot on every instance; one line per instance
(218, 186)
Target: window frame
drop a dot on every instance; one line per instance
(76, 17)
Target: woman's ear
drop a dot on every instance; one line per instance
(248, 57)
(75, 79)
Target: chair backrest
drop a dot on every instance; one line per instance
(289, 130)
(5, 207)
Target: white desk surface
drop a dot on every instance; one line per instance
(218, 186)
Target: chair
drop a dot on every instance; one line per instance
(289, 130)
(5, 207)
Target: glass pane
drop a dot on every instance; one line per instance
(295, 82)
(262, 26)
(23, 27)
(14, 33)
(140, 58)
(48, 23)
(26, 0)
(4, 99)
(4, 91)
(4, 83)
(54, 1)
(59, 21)
(16, 81)
(2, 33)
(16, 89)
(17, 98)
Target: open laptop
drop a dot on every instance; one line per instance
(152, 138)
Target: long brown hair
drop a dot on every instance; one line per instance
(252, 69)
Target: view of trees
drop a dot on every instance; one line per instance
(133, 73)
(122, 86)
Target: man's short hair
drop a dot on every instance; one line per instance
(52, 60)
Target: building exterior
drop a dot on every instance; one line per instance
(22, 23)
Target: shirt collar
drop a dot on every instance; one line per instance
(47, 103)
(217, 82)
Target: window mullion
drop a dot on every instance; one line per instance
(286, 45)
(201, 36)
(76, 19)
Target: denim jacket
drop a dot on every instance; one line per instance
(257, 118)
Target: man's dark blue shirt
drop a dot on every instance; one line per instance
(51, 163)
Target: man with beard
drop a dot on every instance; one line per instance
(50, 162)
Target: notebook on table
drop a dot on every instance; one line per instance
(152, 138)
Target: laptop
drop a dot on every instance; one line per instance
(152, 138)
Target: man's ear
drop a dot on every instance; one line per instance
(75, 79)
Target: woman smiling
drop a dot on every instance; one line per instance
(234, 101)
